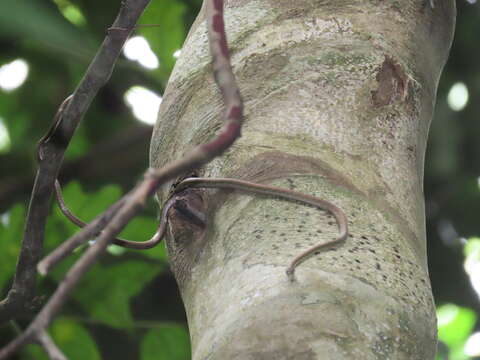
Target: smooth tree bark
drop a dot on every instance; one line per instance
(338, 101)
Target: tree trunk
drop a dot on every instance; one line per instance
(338, 99)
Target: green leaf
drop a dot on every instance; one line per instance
(73, 339)
(168, 36)
(166, 342)
(79, 145)
(17, 128)
(141, 229)
(87, 206)
(106, 290)
(11, 234)
(455, 324)
(29, 19)
(472, 248)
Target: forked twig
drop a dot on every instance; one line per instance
(21, 297)
(133, 202)
(199, 156)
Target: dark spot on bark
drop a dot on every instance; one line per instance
(392, 84)
(186, 239)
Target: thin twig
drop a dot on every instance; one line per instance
(135, 200)
(93, 229)
(46, 342)
(89, 232)
(52, 307)
(201, 154)
(21, 296)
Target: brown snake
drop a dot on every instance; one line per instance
(227, 183)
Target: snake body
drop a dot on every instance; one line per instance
(234, 184)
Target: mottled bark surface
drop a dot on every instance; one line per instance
(338, 100)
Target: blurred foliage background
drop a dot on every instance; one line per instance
(128, 306)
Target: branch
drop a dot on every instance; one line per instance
(117, 156)
(90, 231)
(21, 296)
(199, 156)
(134, 201)
(94, 228)
(45, 341)
(53, 352)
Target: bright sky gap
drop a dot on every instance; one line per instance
(144, 103)
(13, 74)
(457, 97)
(138, 49)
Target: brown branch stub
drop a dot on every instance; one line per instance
(393, 83)
(190, 213)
